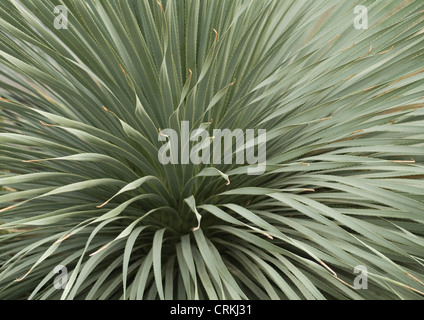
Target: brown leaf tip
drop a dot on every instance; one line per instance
(348, 48)
(161, 6)
(46, 125)
(216, 35)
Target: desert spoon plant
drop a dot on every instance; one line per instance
(88, 87)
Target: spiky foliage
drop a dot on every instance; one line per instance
(82, 107)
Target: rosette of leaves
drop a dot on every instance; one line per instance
(82, 109)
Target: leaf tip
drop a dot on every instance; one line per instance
(46, 125)
(369, 51)
(383, 52)
(63, 239)
(102, 205)
(100, 250)
(7, 208)
(161, 6)
(348, 48)
(368, 89)
(268, 236)
(412, 161)
(216, 35)
(22, 278)
(123, 71)
(358, 131)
